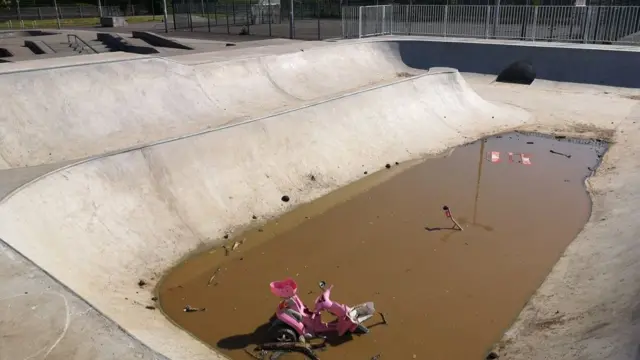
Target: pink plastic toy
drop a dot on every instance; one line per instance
(294, 321)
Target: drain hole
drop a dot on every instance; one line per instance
(520, 72)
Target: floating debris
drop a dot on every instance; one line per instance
(213, 276)
(559, 153)
(192, 309)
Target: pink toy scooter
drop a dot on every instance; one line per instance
(295, 322)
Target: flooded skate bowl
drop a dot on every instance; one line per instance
(445, 293)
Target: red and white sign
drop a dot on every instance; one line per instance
(526, 159)
(510, 157)
(495, 156)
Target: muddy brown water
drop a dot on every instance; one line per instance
(446, 294)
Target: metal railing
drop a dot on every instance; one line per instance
(584, 24)
(79, 43)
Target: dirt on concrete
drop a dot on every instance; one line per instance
(447, 294)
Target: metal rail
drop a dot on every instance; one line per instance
(78, 42)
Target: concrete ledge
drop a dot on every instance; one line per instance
(113, 21)
(38, 47)
(159, 40)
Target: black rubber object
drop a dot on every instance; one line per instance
(520, 72)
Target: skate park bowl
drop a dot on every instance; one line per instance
(161, 157)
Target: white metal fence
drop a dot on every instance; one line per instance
(586, 24)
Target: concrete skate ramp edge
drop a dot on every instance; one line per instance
(101, 225)
(72, 112)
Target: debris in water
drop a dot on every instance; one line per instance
(191, 309)
(285, 198)
(384, 319)
(530, 142)
(447, 213)
(366, 172)
(235, 246)
(376, 357)
(492, 355)
(226, 236)
(559, 153)
(149, 307)
(388, 166)
(254, 217)
(141, 283)
(155, 298)
(213, 276)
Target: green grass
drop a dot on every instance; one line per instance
(91, 21)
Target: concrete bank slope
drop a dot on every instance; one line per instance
(101, 226)
(589, 305)
(62, 110)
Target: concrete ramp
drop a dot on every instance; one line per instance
(73, 112)
(100, 226)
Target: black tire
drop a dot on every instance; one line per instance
(520, 72)
(282, 333)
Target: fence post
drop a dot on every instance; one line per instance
(391, 23)
(18, 10)
(342, 15)
(486, 22)
(173, 14)
(384, 19)
(226, 11)
(248, 14)
(587, 25)
(318, 15)
(496, 19)
(270, 17)
(360, 22)
(446, 18)
(208, 16)
(190, 17)
(407, 24)
(55, 5)
(535, 23)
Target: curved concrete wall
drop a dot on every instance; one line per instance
(101, 225)
(77, 111)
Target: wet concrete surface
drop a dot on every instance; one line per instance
(447, 294)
